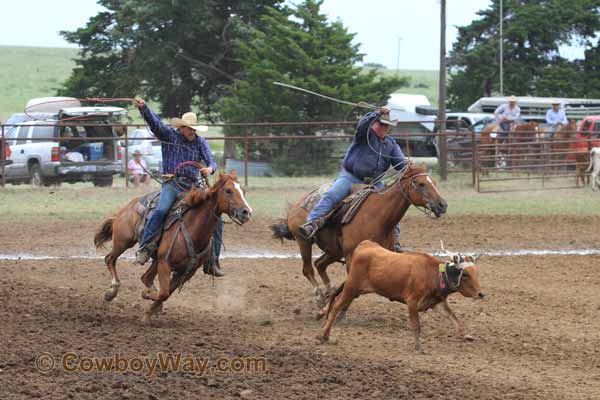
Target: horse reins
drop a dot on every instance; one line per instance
(424, 210)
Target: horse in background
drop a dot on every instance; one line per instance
(522, 144)
(502, 148)
(562, 144)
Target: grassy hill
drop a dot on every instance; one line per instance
(420, 82)
(28, 72)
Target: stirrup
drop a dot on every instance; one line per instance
(308, 230)
(142, 256)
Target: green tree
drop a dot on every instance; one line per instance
(299, 46)
(534, 31)
(177, 52)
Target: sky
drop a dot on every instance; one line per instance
(388, 30)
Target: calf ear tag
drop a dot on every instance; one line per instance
(442, 267)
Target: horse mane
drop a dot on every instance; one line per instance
(414, 169)
(197, 197)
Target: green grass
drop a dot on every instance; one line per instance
(269, 197)
(420, 82)
(28, 72)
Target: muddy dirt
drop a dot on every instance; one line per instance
(537, 336)
(472, 233)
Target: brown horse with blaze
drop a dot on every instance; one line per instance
(174, 259)
(418, 280)
(376, 220)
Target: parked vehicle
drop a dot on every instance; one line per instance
(411, 122)
(590, 124)
(150, 149)
(62, 158)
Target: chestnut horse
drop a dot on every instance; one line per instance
(376, 220)
(173, 254)
(518, 133)
(522, 139)
(564, 137)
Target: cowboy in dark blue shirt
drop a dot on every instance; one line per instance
(179, 144)
(371, 153)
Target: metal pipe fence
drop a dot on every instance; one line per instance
(507, 162)
(332, 134)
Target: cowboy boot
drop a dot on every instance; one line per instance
(142, 256)
(310, 229)
(397, 248)
(213, 267)
(144, 253)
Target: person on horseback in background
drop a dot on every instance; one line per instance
(371, 153)
(507, 114)
(179, 144)
(556, 118)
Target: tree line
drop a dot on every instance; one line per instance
(535, 31)
(220, 57)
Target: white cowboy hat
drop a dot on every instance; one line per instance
(512, 99)
(190, 120)
(555, 102)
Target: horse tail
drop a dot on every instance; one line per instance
(281, 231)
(333, 296)
(104, 233)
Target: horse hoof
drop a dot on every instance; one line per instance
(322, 339)
(320, 315)
(146, 294)
(109, 295)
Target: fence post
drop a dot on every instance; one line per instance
(246, 157)
(3, 157)
(126, 158)
(474, 161)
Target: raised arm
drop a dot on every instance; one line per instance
(363, 125)
(160, 130)
(207, 154)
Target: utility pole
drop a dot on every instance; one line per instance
(442, 96)
(501, 48)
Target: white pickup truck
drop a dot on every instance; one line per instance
(59, 156)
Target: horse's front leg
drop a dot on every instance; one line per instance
(150, 274)
(164, 281)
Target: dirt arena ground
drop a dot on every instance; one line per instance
(537, 336)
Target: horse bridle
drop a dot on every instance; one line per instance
(413, 186)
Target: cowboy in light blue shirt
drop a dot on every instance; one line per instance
(556, 116)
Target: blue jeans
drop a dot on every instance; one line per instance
(168, 196)
(341, 187)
